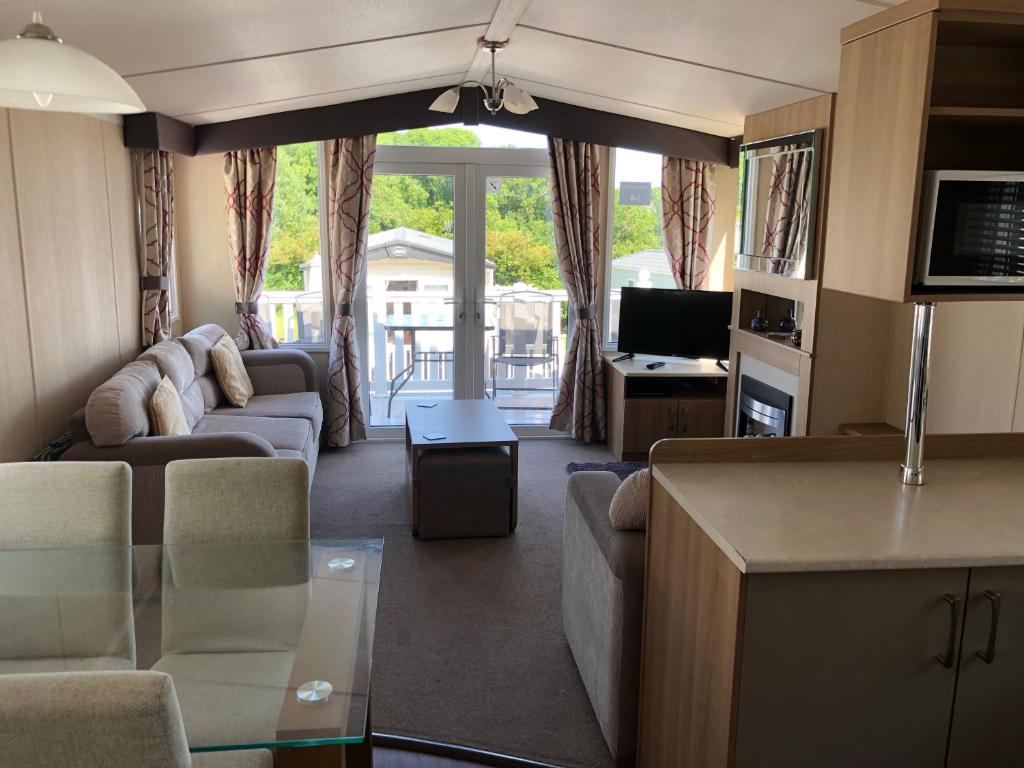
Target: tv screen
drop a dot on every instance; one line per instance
(662, 321)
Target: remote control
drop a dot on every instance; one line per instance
(652, 366)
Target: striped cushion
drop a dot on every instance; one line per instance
(628, 510)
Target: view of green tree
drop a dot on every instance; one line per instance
(295, 232)
(637, 227)
(520, 235)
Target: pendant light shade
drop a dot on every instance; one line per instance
(447, 101)
(500, 94)
(517, 101)
(39, 71)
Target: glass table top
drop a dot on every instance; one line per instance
(239, 627)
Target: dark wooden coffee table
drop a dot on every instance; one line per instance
(465, 424)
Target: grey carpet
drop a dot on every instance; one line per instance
(469, 646)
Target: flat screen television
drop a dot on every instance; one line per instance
(664, 321)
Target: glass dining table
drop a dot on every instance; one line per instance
(269, 644)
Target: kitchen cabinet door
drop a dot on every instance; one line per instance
(989, 707)
(841, 669)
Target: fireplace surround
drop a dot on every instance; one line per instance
(762, 410)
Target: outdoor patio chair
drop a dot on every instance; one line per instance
(526, 338)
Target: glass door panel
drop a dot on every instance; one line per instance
(413, 293)
(525, 305)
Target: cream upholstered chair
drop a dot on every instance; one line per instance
(113, 719)
(72, 611)
(236, 500)
(57, 504)
(239, 637)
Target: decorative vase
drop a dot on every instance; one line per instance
(788, 323)
(760, 323)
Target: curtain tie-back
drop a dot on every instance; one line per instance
(157, 283)
(587, 312)
(343, 309)
(246, 307)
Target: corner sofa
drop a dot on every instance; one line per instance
(283, 418)
(602, 607)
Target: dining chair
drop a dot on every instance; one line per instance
(47, 505)
(236, 500)
(113, 719)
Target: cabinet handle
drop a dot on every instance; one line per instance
(996, 601)
(946, 659)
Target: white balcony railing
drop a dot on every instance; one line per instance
(403, 323)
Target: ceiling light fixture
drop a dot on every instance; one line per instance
(500, 93)
(39, 71)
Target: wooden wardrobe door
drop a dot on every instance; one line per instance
(989, 707)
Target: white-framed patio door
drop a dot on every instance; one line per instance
(411, 309)
(427, 310)
(508, 309)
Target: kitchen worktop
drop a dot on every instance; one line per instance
(855, 515)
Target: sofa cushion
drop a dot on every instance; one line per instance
(172, 361)
(193, 403)
(118, 409)
(167, 417)
(289, 434)
(295, 405)
(632, 499)
(231, 374)
(198, 343)
(210, 392)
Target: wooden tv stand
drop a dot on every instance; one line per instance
(684, 398)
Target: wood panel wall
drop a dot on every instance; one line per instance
(69, 295)
(204, 265)
(975, 380)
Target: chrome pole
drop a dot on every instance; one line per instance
(917, 394)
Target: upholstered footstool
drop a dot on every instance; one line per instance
(602, 606)
(463, 492)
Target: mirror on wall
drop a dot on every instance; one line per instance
(779, 204)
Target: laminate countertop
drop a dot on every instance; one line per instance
(855, 515)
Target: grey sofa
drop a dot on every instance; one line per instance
(284, 417)
(602, 607)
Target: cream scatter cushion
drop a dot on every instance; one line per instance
(628, 511)
(231, 374)
(165, 411)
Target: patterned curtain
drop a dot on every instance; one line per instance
(576, 208)
(249, 183)
(687, 209)
(787, 217)
(349, 183)
(154, 189)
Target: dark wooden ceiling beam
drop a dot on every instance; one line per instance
(151, 130)
(411, 110)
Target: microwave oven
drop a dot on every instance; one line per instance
(972, 229)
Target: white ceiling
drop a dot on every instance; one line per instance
(700, 64)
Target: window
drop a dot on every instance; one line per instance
(455, 135)
(638, 256)
(293, 293)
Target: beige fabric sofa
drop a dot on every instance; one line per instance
(602, 607)
(284, 417)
